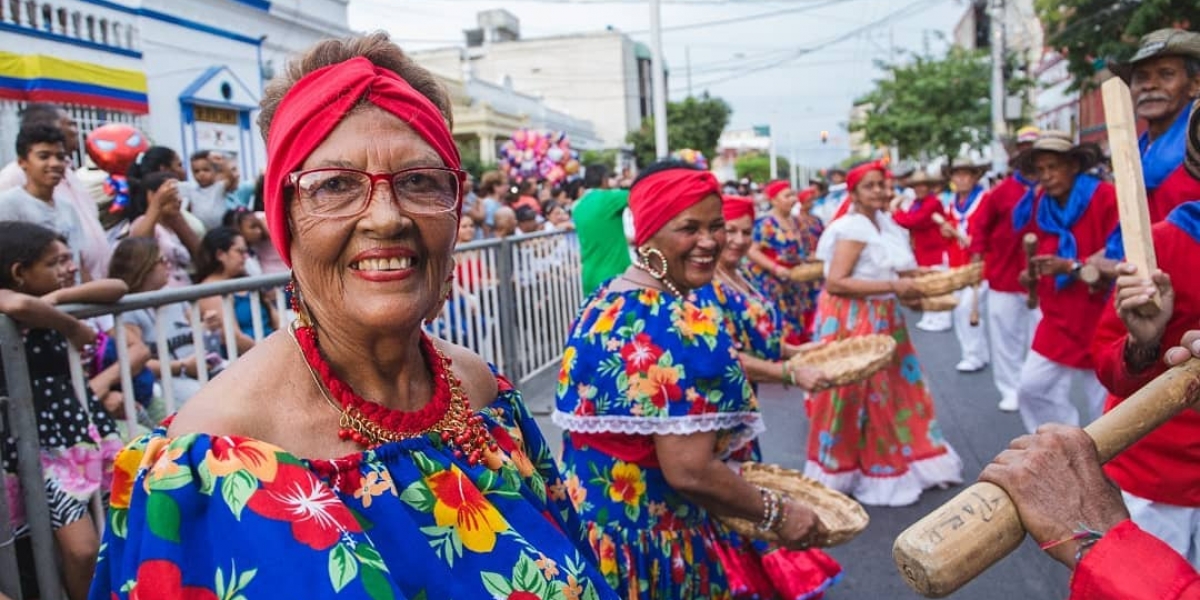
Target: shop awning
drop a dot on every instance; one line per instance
(41, 78)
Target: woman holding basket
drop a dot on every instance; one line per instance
(653, 401)
(780, 244)
(877, 439)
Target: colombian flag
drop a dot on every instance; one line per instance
(41, 78)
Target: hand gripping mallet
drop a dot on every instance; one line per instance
(1030, 242)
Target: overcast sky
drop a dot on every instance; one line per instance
(799, 68)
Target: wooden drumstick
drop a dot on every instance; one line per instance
(973, 531)
(974, 319)
(963, 240)
(1030, 242)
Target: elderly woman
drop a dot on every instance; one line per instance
(780, 242)
(758, 569)
(652, 400)
(877, 439)
(352, 456)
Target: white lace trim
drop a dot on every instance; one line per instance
(681, 425)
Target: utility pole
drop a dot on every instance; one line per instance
(794, 167)
(999, 156)
(659, 81)
(771, 141)
(687, 57)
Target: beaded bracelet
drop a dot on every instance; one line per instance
(771, 510)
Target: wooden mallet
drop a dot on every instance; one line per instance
(963, 240)
(1030, 242)
(973, 531)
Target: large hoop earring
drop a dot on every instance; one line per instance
(644, 255)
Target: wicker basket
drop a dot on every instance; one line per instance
(939, 303)
(810, 270)
(948, 282)
(841, 518)
(846, 361)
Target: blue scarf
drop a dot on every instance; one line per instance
(1186, 216)
(1161, 157)
(1058, 220)
(1023, 210)
(962, 209)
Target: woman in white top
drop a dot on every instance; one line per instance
(877, 439)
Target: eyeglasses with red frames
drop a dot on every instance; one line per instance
(339, 192)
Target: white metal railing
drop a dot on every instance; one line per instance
(513, 303)
(104, 28)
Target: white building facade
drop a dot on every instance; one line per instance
(189, 73)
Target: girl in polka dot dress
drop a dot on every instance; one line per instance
(78, 439)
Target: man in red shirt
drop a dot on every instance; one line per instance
(1072, 217)
(929, 242)
(1159, 475)
(996, 240)
(1164, 79)
(968, 197)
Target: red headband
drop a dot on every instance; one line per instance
(855, 176)
(736, 207)
(775, 188)
(314, 106)
(805, 195)
(661, 196)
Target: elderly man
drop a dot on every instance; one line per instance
(93, 247)
(969, 196)
(996, 240)
(1071, 217)
(1164, 79)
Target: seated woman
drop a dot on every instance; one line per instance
(223, 254)
(141, 265)
(352, 456)
(877, 439)
(653, 401)
(758, 569)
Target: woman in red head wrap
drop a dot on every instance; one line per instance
(758, 569)
(879, 439)
(780, 242)
(336, 456)
(652, 401)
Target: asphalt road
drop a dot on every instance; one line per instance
(966, 406)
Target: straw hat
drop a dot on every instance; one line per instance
(963, 163)
(921, 176)
(1163, 42)
(1028, 134)
(1191, 162)
(1061, 142)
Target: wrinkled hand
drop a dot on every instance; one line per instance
(801, 527)
(1189, 347)
(1133, 293)
(1107, 267)
(1055, 481)
(1049, 264)
(808, 378)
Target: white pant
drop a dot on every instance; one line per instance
(972, 340)
(1177, 526)
(1010, 326)
(1044, 393)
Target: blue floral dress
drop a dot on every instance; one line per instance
(788, 247)
(203, 517)
(756, 569)
(639, 363)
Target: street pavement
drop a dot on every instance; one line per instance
(966, 408)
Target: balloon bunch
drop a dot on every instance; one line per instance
(114, 147)
(534, 154)
(691, 157)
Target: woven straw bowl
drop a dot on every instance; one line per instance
(850, 360)
(948, 282)
(939, 303)
(811, 270)
(842, 519)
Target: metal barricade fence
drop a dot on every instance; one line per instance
(512, 302)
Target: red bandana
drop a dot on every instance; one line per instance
(855, 176)
(775, 188)
(313, 108)
(736, 207)
(658, 198)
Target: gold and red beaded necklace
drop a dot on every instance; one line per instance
(371, 424)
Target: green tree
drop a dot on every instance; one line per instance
(1091, 32)
(930, 106)
(598, 157)
(696, 123)
(756, 166)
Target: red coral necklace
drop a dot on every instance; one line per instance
(448, 414)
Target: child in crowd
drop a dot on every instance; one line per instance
(253, 231)
(78, 440)
(204, 196)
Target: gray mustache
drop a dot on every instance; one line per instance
(1153, 97)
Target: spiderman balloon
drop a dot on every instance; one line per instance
(114, 147)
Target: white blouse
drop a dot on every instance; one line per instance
(887, 251)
